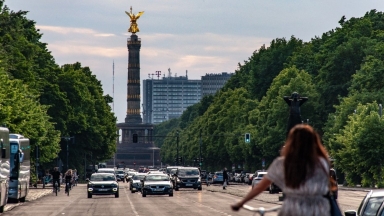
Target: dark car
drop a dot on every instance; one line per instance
(135, 182)
(102, 184)
(156, 184)
(188, 177)
(372, 204)
(120, 175)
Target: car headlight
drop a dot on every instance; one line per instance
(178, 180)
(199, 180)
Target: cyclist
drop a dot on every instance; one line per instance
(68, 179)
(56, 177)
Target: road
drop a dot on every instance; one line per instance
(211, 200)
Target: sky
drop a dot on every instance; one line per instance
(198, 36)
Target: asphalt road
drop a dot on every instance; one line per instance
(211, 200)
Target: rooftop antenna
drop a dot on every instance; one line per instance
(169, 72)
(158, 73)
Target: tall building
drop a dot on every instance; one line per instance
(168, 97)
(142, 153)
(211, 83)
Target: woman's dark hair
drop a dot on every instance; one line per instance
(302, 151)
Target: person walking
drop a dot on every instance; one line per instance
(302, 172)
(225, 178)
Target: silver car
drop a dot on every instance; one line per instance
(257, 178)
(372, 204)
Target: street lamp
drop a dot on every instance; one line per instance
(153, 155)
(67, 138)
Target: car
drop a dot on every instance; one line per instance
(129, 175)
(156, 184)
(247, 179)
(258, 177)
(217, 177)
(372, 204)
(120, 175)
(102, 184)
(135, 182)
(188, 177)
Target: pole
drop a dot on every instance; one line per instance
(177, 148)
(37, 164)
(153, 158)
(67, 153)
(200, 150)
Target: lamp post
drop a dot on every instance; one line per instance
(200, 150)
(177, 148)
(67, 138)
(153, 155)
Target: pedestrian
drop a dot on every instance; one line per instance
(225, 178)
(302, 172)
(207, 178)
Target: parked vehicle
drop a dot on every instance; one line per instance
(120, 175)
(218, 178)
(246, 179)
(20, 166)
(258, 178)
(372, 204)
(4, 167)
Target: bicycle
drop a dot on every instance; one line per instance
(55, 188)
(67, 188)
(261, 210)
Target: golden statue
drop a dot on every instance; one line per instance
(134, 28)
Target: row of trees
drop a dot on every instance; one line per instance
(46, 102)
(340, 72)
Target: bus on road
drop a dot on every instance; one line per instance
(20, 167)
(4, 167)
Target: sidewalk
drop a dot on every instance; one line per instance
(33, 194)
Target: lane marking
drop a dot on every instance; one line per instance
(130, 202)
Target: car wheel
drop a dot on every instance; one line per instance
(143, 194)
(176, 189)
(132, 191)
(199, 188)
(89, 195)
(117, 194)
(171, 194)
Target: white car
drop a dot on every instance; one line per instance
(257, 178)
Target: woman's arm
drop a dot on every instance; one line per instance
(260, 187)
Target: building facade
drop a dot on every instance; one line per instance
(211, 83)
(168, 97)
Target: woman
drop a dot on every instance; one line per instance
(302, 174)
(68, 179)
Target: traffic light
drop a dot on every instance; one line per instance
(135, 138)
(247, 138)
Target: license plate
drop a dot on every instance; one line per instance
(103, 189)
(158, 189)
(133, 188)
(188, 184)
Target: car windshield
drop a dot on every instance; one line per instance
(157, 178)
(119, 172)
(372, 206)
(138, 177)
(105, 171)
(188, 172)
(102, 177)
(219, 173)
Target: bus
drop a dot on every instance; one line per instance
(4, 167)
(20, 167)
